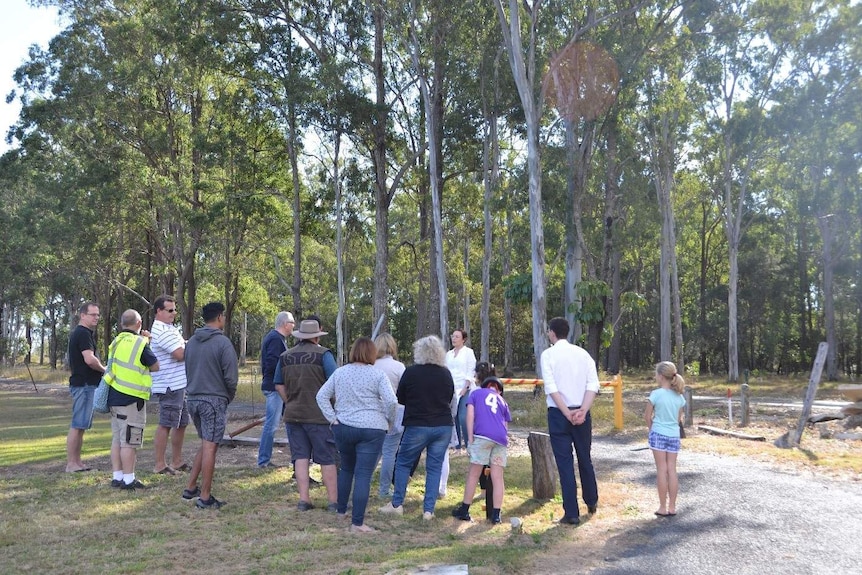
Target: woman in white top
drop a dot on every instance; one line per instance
(461, 361)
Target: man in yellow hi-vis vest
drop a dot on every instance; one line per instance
(130, 362)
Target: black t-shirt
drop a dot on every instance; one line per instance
(80, 340)
(118, 398)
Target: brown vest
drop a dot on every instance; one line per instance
(303, 376)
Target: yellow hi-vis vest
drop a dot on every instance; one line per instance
(125, 372)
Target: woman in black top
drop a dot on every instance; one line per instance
(426, 390)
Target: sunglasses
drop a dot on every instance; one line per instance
(172, 310)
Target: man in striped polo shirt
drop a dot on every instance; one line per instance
(169, 387)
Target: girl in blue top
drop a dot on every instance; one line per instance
(663, 415)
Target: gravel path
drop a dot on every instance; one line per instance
(737, 516)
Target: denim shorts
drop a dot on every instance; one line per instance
(661, 442)
(82, 406)
(209, 412)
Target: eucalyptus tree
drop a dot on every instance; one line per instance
(431, 85)
(525, 73)
(740, 58)
(667, 105)
(820, 128)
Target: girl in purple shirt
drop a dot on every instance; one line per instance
(488, 420)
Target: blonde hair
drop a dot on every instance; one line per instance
(429, 349)
(386, 345)
(667, 370)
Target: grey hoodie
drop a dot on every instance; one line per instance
(211, 364)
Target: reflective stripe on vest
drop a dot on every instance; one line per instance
(127, 374)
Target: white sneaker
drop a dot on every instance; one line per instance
(389, 508)
(427, 516)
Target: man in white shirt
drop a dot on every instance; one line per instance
(571, 384)
(169, 387)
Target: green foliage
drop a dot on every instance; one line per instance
(519, 287)
(162, 151)
(592, 296)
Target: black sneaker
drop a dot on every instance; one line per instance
(191, 494)
(117, 483)
(333, 507)
(211, 503)
(462, 512)
(591, 509)
(495, 518)
(133, 485)
(305, 505)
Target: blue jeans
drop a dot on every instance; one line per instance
(564, 435)
(414, 440)
(274, 405)
(359, 448)
(461, 421)
(387, 464)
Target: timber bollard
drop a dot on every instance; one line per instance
(744, 406)
(688, 393)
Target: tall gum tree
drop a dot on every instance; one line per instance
(741, 67)
(524, 73)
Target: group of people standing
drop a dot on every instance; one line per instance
(192, 381)
(349, 418)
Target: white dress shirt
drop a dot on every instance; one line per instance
(570, 370)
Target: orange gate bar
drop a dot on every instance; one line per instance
(616, 383)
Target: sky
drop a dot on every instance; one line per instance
(20, 27)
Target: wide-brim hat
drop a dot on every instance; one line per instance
(308, 329)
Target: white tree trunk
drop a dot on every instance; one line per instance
(339, 250)
(431, 122)
(524, 75)
(490, 163)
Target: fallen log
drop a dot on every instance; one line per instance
(245, 427)
(736, 434)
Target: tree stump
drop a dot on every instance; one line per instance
(544, 466)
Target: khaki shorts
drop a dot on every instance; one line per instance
(486, 452)
(127, 424)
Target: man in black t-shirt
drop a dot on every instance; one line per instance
(87, 370)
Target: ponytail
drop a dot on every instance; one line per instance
(667, 370)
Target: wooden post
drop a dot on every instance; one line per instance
(813, 382)
(688, 392)
(744, 406)
(793, 437)
(544, 467)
